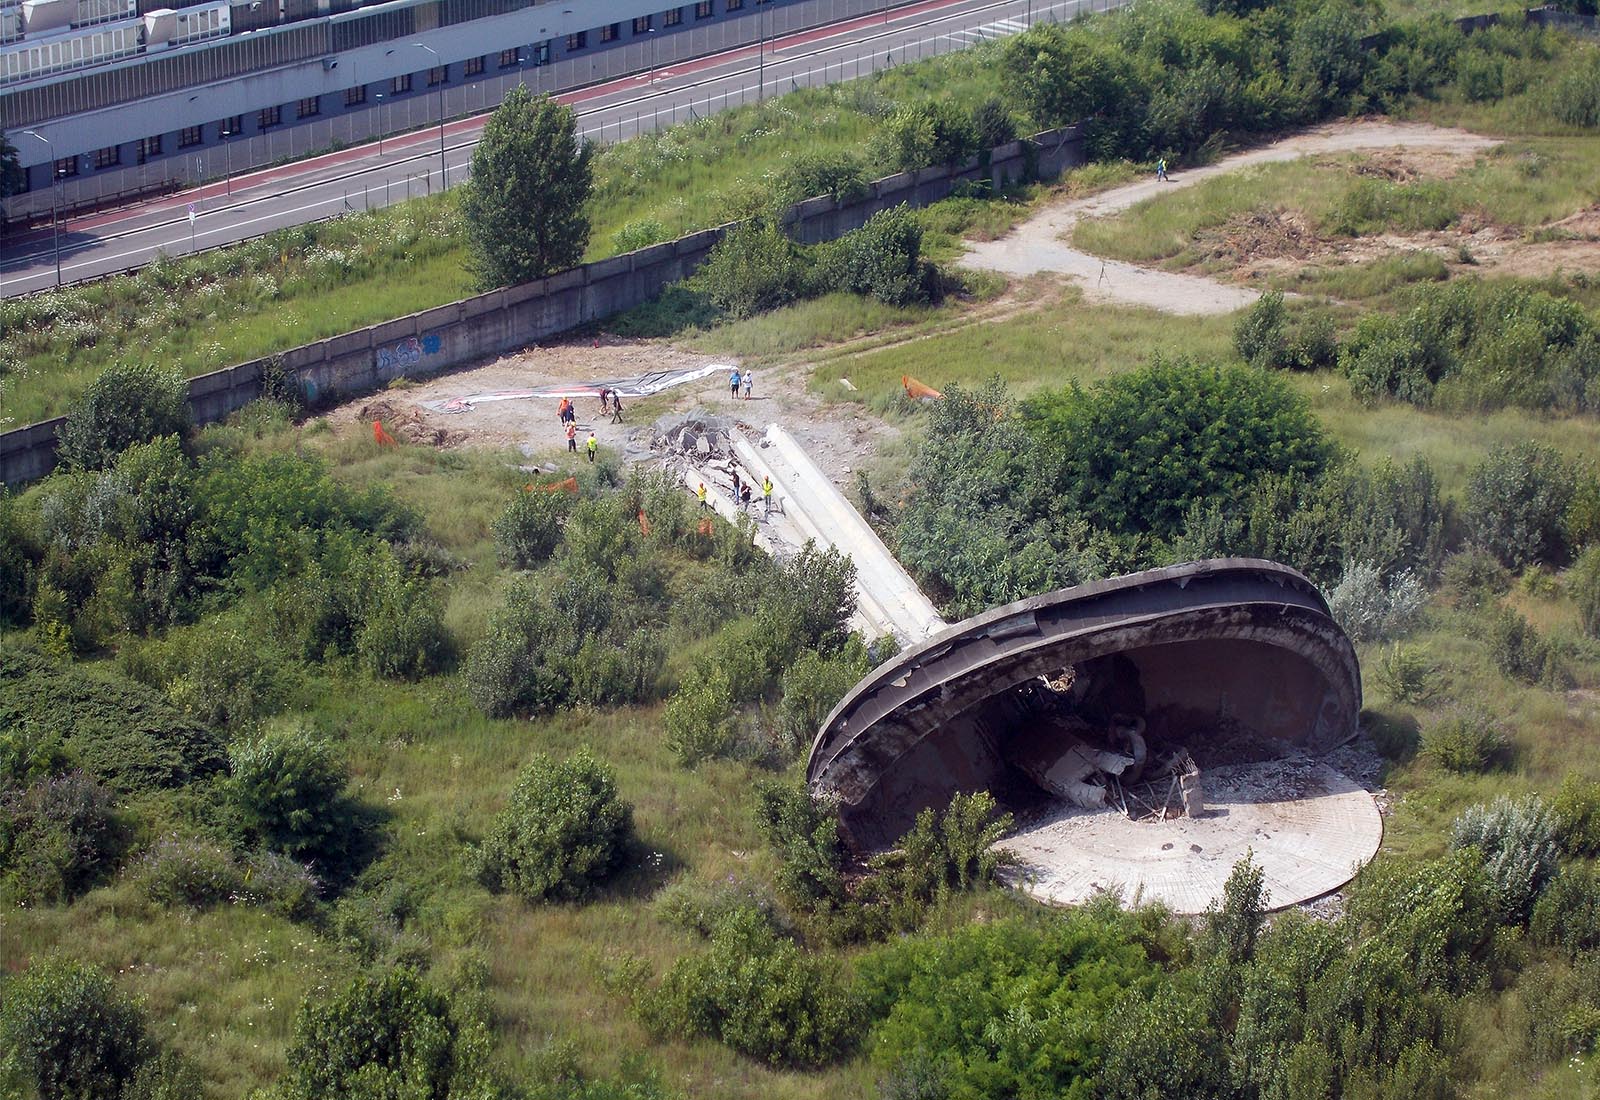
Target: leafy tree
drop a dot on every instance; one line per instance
(1516, 501)
(129, 403)
(564, 831)
(287, 786)
(529, 530)
(1140, 449)
(882, 259)
(69, 1034)
(813, 685)
(525, 208)
(12, 177)
(388, 1036)
(925, 134)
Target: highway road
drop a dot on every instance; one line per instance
(362, 177)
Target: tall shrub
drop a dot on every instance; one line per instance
(129, 403)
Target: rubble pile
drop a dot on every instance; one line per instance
(697, 435)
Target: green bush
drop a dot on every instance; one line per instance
(812, 686)
(124, 734)
(699, 718)
(926, 134)
(69, 1034)
(701, 907)
(529, 530)
(1261, 336)
(58, 837)
(809, 175)
(1473, 577)
(882, 259)
(1567, 914)
(1140, 449)
(129, 403)
(287, 786)
(1515, 504)
(1465, 740)
(754, 268)
(1009, 1008)
(564, 831)
(993, 125)
(402, 634)
(222, 672)
(388, 1035)
(639, 234)
(1407, 676)
(1517, 840)
(758, 993)
(18, 557)
(1372, 611)
(1577, 810)
(1518, 650)
(941, 854)
(1584, 584)
(189, 872)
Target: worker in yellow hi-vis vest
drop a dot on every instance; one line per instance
(766, 496)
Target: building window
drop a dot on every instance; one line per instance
(672, 17)
(66, 167)
(608, 33)
(354, 97)
(641, 25)
(190, 135)
(541, 55)
(109, 157)
(232, 126)
(733, 5)
(577, 41)
(438, 75)
(149, 147)
(307, 107)
(702, 10)
(508, 58)
(474, 66)
(400, 85)
(268, 117)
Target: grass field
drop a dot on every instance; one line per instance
(1522, 184)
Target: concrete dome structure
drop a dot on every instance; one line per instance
(1174, 657)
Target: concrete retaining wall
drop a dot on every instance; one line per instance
(474, 329)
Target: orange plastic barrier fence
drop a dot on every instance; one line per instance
(917, 391)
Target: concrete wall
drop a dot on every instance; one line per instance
(473, 329)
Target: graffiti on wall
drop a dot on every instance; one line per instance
(408, 353)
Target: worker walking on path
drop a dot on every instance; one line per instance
(766, 496)
(733, 382)
(701, 494)
(572, 437)
(1161, 169)
(594, 445)
(749, 383)
(616, 407)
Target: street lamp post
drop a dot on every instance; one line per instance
(55, 207)
(379, 97)
(761, 52)
(443, 182)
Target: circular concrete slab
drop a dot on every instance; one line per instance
(1308, 826)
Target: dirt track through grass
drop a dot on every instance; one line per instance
(1040, 244)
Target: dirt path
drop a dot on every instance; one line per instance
(1040, 243)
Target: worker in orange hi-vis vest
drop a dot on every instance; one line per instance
(572, 437)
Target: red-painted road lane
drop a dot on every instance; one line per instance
(421, 142)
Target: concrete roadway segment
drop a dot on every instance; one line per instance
(107, 242)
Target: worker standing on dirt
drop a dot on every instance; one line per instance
(616, 407)
(733, 382)
(1161, 169)
(572, 438)
(735, 471)
(766, 496)
(701, 494)
(605, 400)
(594, 445)
(749, 383)
(566, 407)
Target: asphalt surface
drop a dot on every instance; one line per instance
(362, 177)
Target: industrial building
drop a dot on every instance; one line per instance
(104, 98)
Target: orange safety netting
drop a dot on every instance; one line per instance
(381, 437)
(705, 527)
(644, 524)
(917, 391)
(568, 486)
